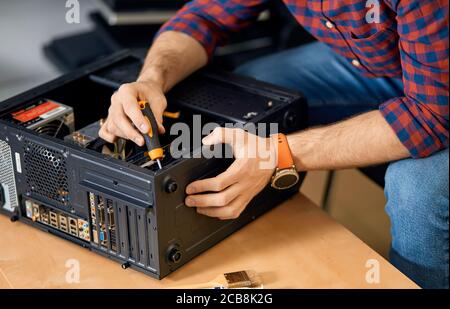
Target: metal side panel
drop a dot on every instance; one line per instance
(7, 178)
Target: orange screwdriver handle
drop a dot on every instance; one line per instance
(154, 148)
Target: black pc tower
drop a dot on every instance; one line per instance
(59, 176)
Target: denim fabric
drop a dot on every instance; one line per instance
(416, 189)
(417, 195)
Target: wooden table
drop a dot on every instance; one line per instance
(295, 245)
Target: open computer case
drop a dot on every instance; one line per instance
(57, 175)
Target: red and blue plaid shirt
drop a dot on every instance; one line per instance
(410, 41)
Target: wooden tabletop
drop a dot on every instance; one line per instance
(296, 245)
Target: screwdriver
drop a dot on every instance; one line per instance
(155, 151)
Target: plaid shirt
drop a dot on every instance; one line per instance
(410, 41)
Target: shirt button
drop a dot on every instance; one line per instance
(356, 63)
(329, 24)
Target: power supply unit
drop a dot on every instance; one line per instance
(109, 198)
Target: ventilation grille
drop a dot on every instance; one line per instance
(220, 101)
(46, 172)
(7, 180)
(205, 98)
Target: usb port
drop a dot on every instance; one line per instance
(63, 223)
(53, 219)
(44, 217)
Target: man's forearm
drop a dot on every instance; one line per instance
(172, 57)
(359, 141)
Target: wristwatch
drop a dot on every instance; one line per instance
(286, 175)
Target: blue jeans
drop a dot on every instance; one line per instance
(416, 189)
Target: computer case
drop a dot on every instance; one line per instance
(111, 205)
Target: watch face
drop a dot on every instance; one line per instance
(285, 181)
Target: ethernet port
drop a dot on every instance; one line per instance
(73, 226)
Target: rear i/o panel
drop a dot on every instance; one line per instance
(57, 220)
(58, 175)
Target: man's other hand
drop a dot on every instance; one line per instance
(226, 195)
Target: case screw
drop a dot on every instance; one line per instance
(290, 120)
(171, 186)
(174, 255)
(125, 265)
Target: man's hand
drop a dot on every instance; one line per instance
(172, 57)
(124, 111)
(226, 195)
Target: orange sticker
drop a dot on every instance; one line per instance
(34, 112)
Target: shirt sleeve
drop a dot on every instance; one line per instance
(211, 21)
(420, 119)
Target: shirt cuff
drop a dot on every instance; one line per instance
(418, 129)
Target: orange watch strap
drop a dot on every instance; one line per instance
(284, 153)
